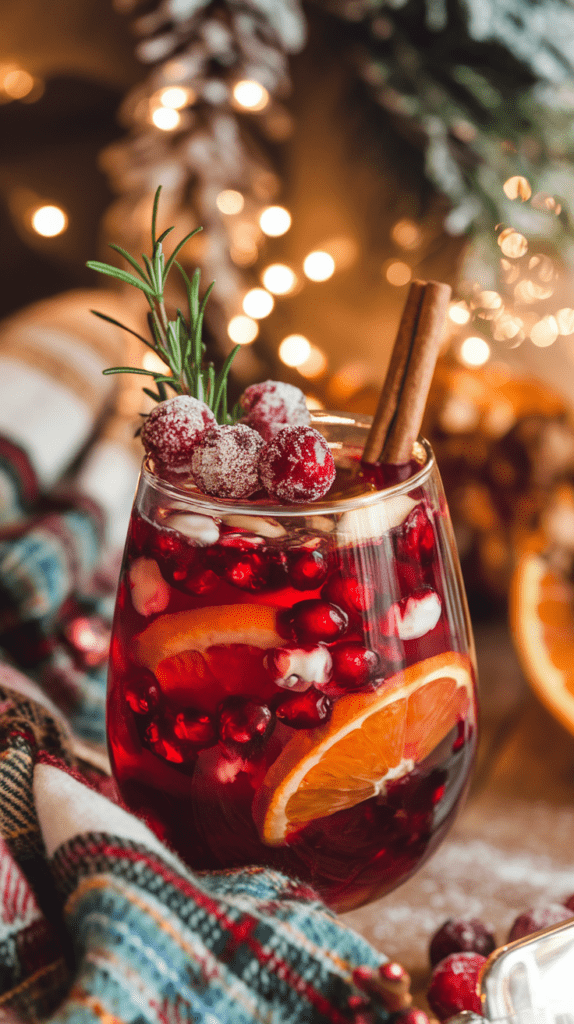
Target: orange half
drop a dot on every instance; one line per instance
(368, 741)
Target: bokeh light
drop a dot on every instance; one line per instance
(230, 202)
(279, 279)
(242, 329)
(517, 187)
(398, 273)
(459, 313)
(407, 234)
(17, 83)
(315, 364)
(319, 266)
(474, 351)
(545, 332)
(250, 95)
(258, 303)
(174, 97)
(294, 350)
(49, 221)
(166, 118)
(275, 221)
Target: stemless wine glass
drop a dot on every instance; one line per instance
(294, 686)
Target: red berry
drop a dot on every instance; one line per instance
(537, 918)
(248, 571)
(143, 694)
(304, 710)
(349, 594)
(416, 541)
(307, 569)
(299, 667)
(194, 727)
(297, 465)
(225, 462)
(454, 983)
(464, 935)
(315, 620)
(271, 405)
(160, 738)
(411, 1016)
(243, 722)
(354, 665)
(172, 430)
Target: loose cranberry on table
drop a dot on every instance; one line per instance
(537, 918)
(225, 462)
(454, 984)
(297, 465)
(467, 935)
(172, 430)
(273, 404)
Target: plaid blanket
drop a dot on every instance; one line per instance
(100, 922)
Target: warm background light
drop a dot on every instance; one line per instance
(151, 361)
(251, 95)
(294, 350)
(242, 330)
(258, 303)
(459, 313)
(279, 279)
(475, 351)
(166, 118)
(275, 221)
(319, 266)
(407, 234)
(398, 273)
(174, 97)
(315, 364)
(49, 221)
(17, 83)
(230, 202)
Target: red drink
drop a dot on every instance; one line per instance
(293, 686)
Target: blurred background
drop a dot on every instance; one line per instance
(332, 152)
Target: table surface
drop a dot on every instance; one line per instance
(511, 847)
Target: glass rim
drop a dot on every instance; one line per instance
(218, 507)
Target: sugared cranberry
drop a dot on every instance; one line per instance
(271, 405)
(225, 462)
(299, 667)
(194, 727)
(413, 616)
(537, 918)
(173, 428)
(348, 593)
(243, 722)
(354, 665)
(454, 983)
(143, 694)
(297, 465)
(416, 541)
(315, 620)
(467, 935)
(307, 569)
(304, 710)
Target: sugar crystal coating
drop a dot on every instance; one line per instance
(273, 404)
(296, 465)
(173, 428)
(225, 462)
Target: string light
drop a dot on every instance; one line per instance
(279, 279)
(398, 273)
(242, 330)
(258, 303)
(294, 350)
(166, 118)
(459, 313)
(315, 364)
(474, 351)
(250, 95)
(230, 202)
(175, 97)
(319, 266)
(275, 221)
(49, 221)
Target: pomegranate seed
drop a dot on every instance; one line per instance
(304, 710)
(298, 668)
(416, 540)
(536, 918)
(194, 727)
(316, 620)
(353, 664)
(159, 740)
(144, 695)
(347, 593)
(453, 985)
(307, 569)
(467, 935)
(243, 722)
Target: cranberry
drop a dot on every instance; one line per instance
(271, 405)
(314, 620)
(304, 710)
(454, 983)
(173, 428)
(161, 740)
(463, 935)
(225, 462)
(353, 664)
(248, 570)
(349, 594)
(139, 533)
(297, 668)
(416, 541)
(144, 695)
(307, 569)
(297, 465)
(537, 918)
(202, 581)
(194, 727)
(243, 722)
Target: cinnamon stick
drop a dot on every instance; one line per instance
(399, 415)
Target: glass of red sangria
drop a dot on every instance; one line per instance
(292, 678)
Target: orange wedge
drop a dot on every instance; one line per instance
(542, 623)
(369, 740)
(196, 630)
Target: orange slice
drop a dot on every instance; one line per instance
(542, 623)
(196, 630)
(369, 740)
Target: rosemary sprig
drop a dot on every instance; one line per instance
(179, 342)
